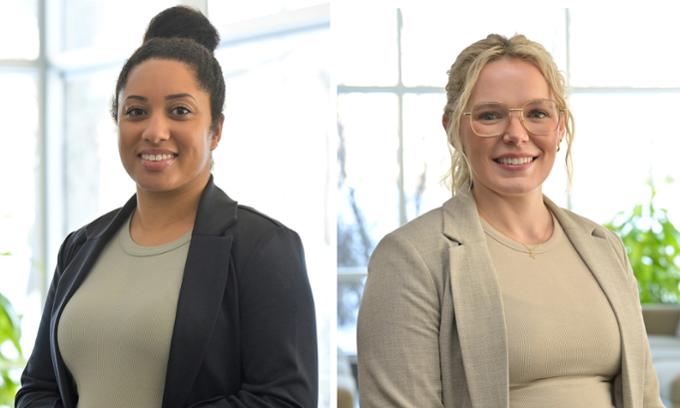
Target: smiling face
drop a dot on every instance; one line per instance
(164, 128)
(517, 162)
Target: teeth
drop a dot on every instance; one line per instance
(157, 157)
(515, 160)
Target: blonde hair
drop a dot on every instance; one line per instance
(463, 76)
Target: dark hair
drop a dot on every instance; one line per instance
(186, 35)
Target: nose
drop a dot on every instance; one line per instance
(515, 132)
(157, 129)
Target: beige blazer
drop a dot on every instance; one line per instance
(431, 329)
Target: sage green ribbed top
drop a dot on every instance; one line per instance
(114, 333)
(564, 343)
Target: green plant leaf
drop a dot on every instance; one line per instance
(9, 332)
(653, 246)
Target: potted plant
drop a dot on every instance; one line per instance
(653, 246)
(11, 357)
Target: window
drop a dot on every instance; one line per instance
(21, 243)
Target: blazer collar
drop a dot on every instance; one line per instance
(477, 303)
(208, 221)
(207, 274)
(478, 306)
(216, 211)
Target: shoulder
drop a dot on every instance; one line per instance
(424, 234)
(261, 240)
(251, 221)
(95, 227)
(583, 223)
(425, 226)
(415, 251)
(255, 229)
(76, 239)
(219, 214)
(421, 232)
(570, 220)
(101, 223)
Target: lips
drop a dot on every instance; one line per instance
(157, 160)
(157, 157)
(514, 161)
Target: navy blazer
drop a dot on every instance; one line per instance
(244, 333)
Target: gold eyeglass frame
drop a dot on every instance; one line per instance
(561, 111)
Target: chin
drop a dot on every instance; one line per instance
(518, 189)
(512, 187)
(156, 186)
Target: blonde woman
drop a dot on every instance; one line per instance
(499, 297)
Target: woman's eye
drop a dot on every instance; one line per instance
(180, 111)
(538, 114)
(489, 116)
(134, 112)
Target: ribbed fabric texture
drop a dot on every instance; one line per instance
(564, 345)
(114, 334)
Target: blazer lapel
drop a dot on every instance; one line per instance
(600, 257)
(203, 285)
(477, 302)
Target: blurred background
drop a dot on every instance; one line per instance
(59, 163)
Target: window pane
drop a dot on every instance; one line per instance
(433, 37)
(350, 289)
(619, 146)
(117, 26)
(368, 187)
(19, 30)
(228, 12)
(20, 277)
(638, 47)
(95, 179)
(276, 126)
(426, 154)
(365, 46)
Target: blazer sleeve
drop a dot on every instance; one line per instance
(650, 391)
(398, 330)
(39, 387)
(278, 329)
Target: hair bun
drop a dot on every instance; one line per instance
(183, 22)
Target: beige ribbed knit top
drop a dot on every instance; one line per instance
(564, 343)
(114, 333)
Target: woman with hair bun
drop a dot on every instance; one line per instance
(182, 297)
(500, 298)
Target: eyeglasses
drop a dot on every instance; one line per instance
(540, 117)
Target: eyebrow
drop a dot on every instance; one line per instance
(168, 97)
(506, 105)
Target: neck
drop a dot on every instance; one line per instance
(162, 217)
(524, 218)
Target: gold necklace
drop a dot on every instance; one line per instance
(530, 250)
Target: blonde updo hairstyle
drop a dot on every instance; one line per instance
(463, 76)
